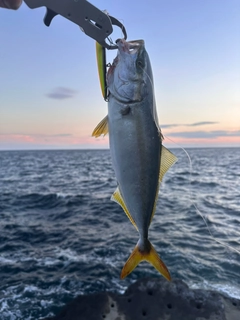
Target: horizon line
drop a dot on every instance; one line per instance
(106, 149)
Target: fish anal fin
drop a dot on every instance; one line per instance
(167, 160)
(101, 128)
(117, 197)
(150, 256)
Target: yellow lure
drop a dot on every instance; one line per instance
(101, 62)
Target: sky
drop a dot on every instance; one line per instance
(50, 96)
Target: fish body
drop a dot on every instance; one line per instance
(138, 157)
(135, 140)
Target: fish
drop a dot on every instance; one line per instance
(138, 157)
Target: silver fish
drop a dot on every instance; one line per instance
(138, 156)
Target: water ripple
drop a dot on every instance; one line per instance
(62, 236)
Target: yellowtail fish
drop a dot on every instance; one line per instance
(139, 159)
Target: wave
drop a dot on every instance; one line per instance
(62, 236)
(226, 289)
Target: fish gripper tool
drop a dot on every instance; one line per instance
(94, 22)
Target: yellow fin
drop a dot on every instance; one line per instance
(101, 128)
(117, 197)
(101, 63)
(167, 160)
(151, 256)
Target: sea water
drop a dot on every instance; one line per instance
(61, 236)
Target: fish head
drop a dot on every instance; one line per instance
(129, 75)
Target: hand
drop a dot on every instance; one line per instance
(10, 4)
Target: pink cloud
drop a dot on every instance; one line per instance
(203, 142)
(55, 141)
(31, 141)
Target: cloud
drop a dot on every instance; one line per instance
(59, 135)
(171, 125)
(61, 93)
(32, 140)
(203, 123)
(35, 135)
(205, 134)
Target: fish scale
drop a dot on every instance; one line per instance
(138, 157)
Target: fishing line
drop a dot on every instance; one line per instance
(190, 182)
(195, 206)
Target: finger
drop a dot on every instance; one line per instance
(10, 4)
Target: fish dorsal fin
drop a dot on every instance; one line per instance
(167, 160)
(117, 197)
(101, 128)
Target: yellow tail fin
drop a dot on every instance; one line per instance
(151, 256)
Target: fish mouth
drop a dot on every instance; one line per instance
(130, 47)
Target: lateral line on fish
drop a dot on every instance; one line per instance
(195, 206)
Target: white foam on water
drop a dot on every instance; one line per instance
(62, 195)
(59, 255)
(16, 257)
(47, 261)
(118, 285)
(7, 260)
(30, 288)
(46, 303)
(223, 288)
(3, 305)
(16, 295)
(69, 254)
(12, 316)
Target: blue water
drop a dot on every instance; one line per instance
(61, 236)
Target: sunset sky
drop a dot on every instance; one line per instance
(49, 89)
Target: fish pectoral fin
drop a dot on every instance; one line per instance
(167, 160)
(101, 128)
(117, 197)
(151, 256)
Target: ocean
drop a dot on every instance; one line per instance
(62, 236)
